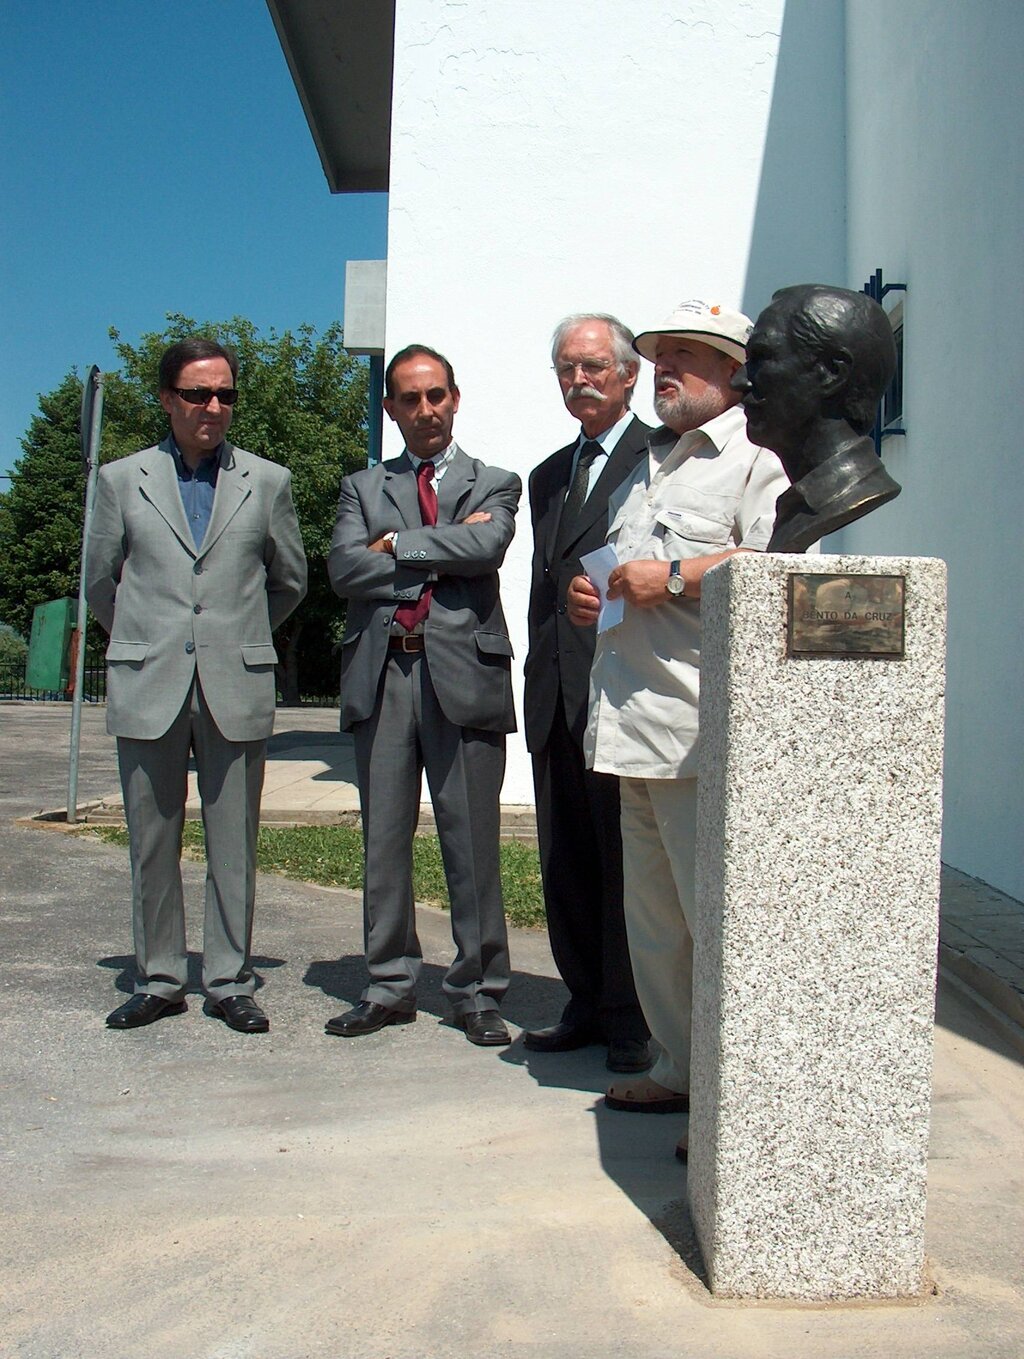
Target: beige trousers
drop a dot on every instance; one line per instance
(659, 832)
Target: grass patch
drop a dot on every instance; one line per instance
(332, 856)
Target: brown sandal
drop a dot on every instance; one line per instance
(646, 1097)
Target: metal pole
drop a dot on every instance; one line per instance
(92, 462)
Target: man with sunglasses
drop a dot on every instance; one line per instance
(194, 558)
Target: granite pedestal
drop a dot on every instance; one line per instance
(815, 951)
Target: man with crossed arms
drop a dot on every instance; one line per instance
(703, 492)
(426, 685)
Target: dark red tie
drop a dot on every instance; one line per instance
(409, 615)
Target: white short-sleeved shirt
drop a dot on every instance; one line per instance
(703, 493)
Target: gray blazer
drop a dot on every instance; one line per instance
(173, 610)
(465, 637)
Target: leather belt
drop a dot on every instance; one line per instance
(410, 642)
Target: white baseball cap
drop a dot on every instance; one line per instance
(708, 322)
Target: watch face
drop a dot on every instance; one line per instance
(675, 585)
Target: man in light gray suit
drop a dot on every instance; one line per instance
(194, 558)
(426, 684)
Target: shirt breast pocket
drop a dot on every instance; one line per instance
(696, 522)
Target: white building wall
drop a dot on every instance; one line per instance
(936, 198)
(549, 159)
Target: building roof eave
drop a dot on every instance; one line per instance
(341, 57)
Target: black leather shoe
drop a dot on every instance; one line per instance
(367, 1017)
(485, 1028)
(628, 1054)
(241, 1013)
(561, 1037)
(143, 1009)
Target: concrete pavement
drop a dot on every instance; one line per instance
(186, 1190)
(311, 780)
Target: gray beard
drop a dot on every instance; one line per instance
(682, 412)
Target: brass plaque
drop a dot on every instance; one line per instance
(845, 615)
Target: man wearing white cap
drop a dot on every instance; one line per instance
(703, 492)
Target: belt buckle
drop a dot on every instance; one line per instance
(411, 642)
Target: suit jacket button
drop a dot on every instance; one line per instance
(197, 608)
(561, 608)
(197, 570)
(189, 648)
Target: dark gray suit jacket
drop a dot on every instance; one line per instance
(561, 654)
(465, 636)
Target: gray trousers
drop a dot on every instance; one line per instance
(154, 780)
(407, 734)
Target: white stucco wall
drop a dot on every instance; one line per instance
(549, 159)
(936, 198)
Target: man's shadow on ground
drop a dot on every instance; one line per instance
(529, 997)
(637, 1151)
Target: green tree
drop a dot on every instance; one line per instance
(41, 514)
(13, 649)
(303, 404)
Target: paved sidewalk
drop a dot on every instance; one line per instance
(311, 780)
(188, 1191)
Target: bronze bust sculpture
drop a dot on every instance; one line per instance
(818, 360)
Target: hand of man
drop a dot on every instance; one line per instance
(641, 584)
(583, 603)
(384, 543)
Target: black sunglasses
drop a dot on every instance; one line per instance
(202, 396)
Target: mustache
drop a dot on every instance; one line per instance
(581, 389)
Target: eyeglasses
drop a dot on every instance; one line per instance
(592, 368)
(202, 396)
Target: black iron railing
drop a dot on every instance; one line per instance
(94, 688)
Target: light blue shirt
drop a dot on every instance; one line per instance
(197, 491)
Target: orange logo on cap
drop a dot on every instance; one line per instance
(715, 311)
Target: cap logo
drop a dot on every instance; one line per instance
(716, 311)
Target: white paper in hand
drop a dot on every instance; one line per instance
(599, 565)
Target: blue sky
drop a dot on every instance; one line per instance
(155, 158)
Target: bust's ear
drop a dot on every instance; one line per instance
(835, 370)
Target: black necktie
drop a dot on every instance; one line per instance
(577, 496)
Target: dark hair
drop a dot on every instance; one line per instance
(410, 352)
(180, 355)
(824, 321)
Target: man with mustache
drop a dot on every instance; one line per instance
(578, 809)
(702, 493)
(426, 685)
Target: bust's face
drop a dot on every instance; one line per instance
(780, 385)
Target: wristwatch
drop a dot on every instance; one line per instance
(675, 585)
